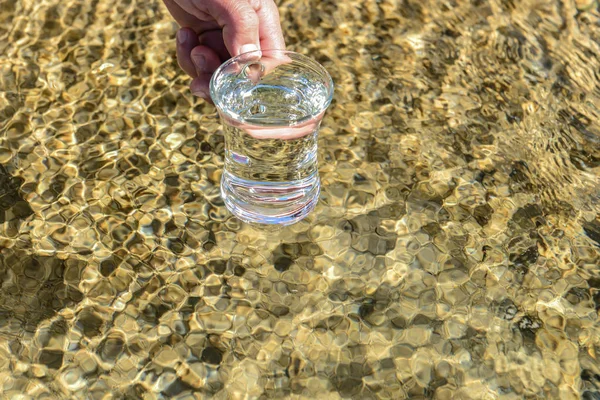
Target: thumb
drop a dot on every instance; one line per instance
(239, 23)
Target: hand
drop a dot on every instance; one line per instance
(212, 31)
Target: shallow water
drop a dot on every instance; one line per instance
(454, 253)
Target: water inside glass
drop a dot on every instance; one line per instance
(271, 109)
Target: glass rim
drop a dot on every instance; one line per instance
(325, 74)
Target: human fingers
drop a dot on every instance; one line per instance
(237, 19)
(240, 26)
(205, 59)
(183, 18)
(186, 41)
(269, 26)
(200, 86)
(214, 40)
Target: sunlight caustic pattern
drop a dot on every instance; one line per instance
(454, 253)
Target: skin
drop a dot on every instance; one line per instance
(212, 31)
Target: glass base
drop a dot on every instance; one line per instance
(280, 203)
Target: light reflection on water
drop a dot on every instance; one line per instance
(454, 252)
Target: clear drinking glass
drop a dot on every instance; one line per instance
(271, 103)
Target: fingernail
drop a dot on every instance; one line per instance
(182, 36)
(200, 62)
(248, 48)
(201, 93)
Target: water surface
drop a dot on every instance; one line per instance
(454, 253)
